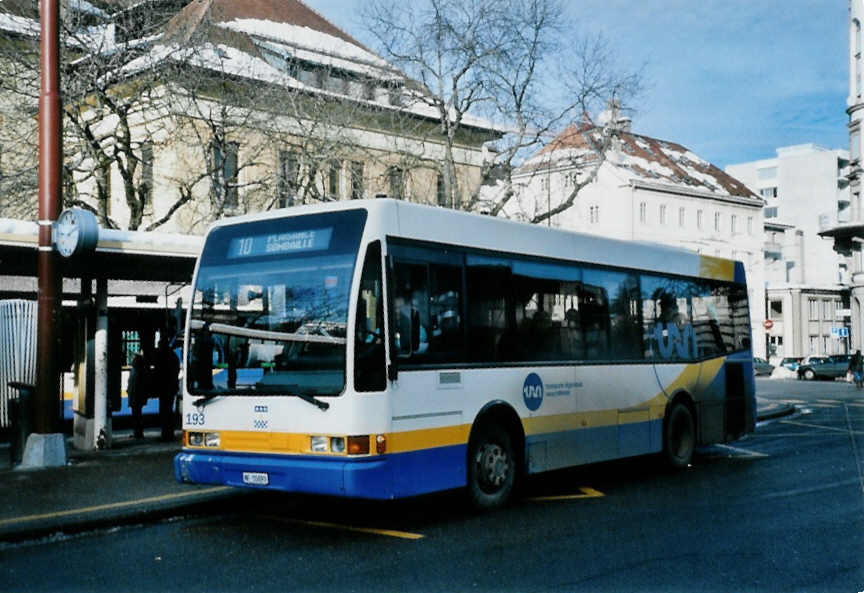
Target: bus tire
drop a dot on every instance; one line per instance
(491, 467)
(679, 436)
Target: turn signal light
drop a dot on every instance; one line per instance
(358, 445)
(380, 444)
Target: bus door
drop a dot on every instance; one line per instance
(426, 337)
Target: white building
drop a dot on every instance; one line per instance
(649, 190)
(849, 234)
(805, 193)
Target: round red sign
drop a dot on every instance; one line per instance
(768, 324)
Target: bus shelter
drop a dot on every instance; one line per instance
(130, 289)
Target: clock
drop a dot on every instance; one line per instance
(75, 232)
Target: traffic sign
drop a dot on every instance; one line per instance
(768, 324)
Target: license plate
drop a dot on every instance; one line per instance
(256, 478)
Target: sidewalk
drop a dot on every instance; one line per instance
(130, 483)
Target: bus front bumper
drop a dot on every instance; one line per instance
(380, 477)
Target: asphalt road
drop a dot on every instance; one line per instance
(782, 510)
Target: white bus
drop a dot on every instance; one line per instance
(381, 349)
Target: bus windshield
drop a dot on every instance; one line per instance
(270, 308)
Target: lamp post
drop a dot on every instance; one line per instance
(45, 406)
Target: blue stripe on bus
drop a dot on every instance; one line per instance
(385, 477)
(569, 448)
(740, 275)
(151, 408)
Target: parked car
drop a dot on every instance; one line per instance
(761, 366)
(824, 367)
(791, 362)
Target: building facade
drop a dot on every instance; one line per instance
(232, 107)
(644, 189)
(806, 193)
(848, 234)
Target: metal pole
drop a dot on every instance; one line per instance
(101, 422)
(46, 404)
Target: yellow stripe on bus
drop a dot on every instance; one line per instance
(716, 268)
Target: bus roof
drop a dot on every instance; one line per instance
(444, 225)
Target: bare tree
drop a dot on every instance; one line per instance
(517, 63)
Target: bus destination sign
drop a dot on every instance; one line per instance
(280, 243)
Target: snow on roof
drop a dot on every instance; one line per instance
(305, 38)
(19, 24)
(640, 158)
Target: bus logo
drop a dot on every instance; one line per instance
(532, 391)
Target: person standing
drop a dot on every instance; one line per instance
(167, 369)
(856, 366)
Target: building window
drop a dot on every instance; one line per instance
(334, 180)
(643, 212)
(287, 176)
(749, 225)
(775, 310)
(594, 214)
(700, 219)
(717, 221)
(147, 177)
(223, 172)
(814, 345)
(733, 224)
(440, 198)
(768, 192)
(827, 310)
(855, 145)
(857, 57)
(771, 212)
(681, 219)
(662, 213)
(396, 182)
(356, 180)
(814, 309)
(767, 173)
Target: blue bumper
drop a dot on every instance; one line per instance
(380, 477)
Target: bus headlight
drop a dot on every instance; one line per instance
(318, 444)
(203, 439)
(337, 444)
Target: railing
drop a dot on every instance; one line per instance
(17, 350)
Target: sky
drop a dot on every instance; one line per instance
(731, 80)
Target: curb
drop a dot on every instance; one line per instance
(112, 515)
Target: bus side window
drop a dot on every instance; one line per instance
(369, 359)
(411, 307)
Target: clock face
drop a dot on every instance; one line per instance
(76, 231)
(68, 232)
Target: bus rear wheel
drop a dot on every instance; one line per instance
(491, 467)
(679, 436)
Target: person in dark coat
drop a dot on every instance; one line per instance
(166, 371)
(138, 390)
(856, 366)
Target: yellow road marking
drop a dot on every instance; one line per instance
(113, 505)
(354, 528)
(586, 493)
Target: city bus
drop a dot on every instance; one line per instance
(380, 349)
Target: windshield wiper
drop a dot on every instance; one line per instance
(203, 401)
(263, 334)
(323, 406)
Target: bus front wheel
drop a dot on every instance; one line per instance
(491, 467)
(679, 436)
